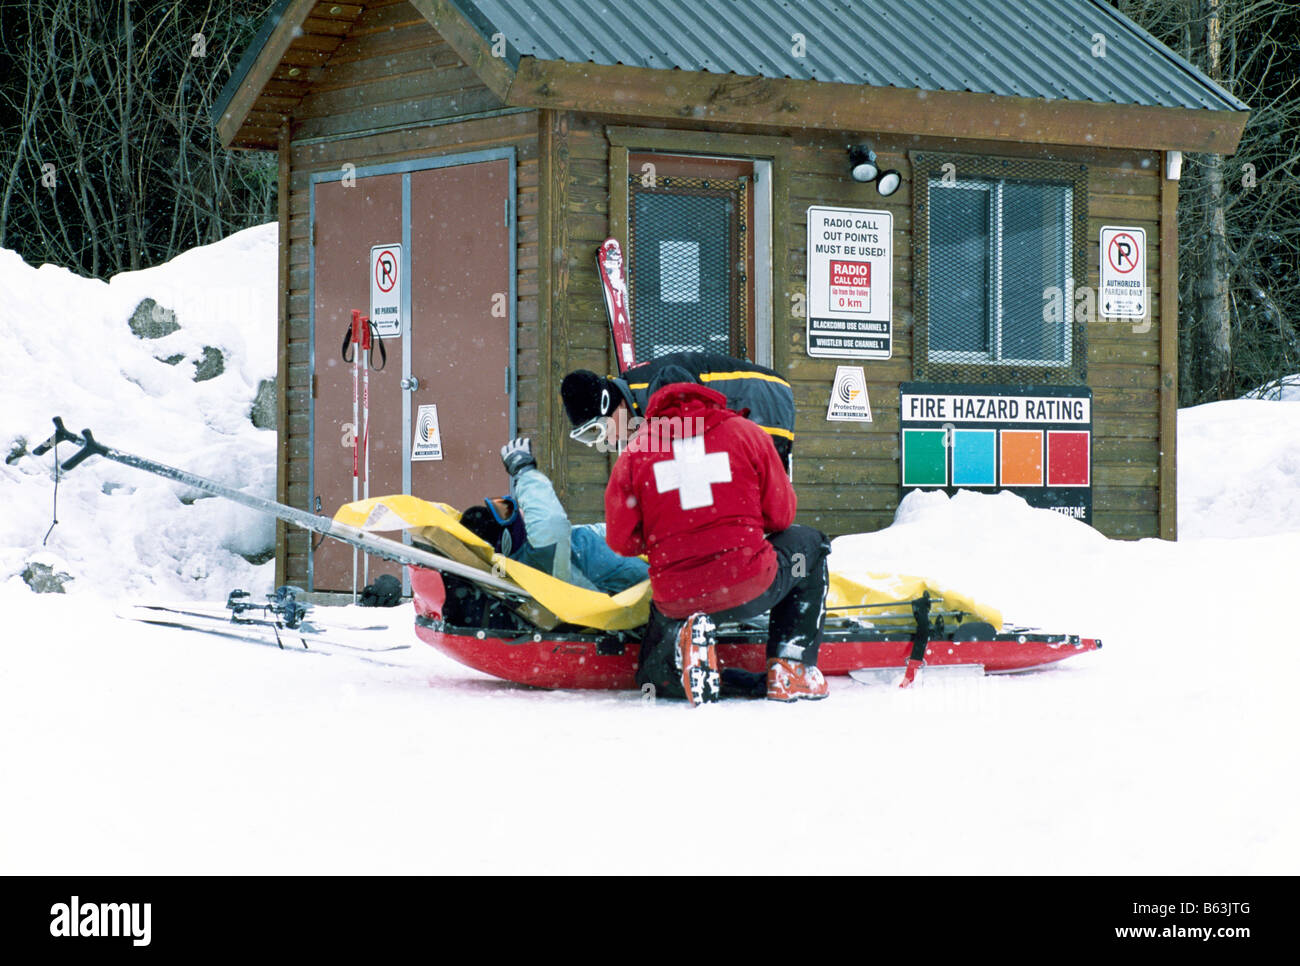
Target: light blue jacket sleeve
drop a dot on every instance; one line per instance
(545, 522)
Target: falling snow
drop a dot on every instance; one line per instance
(1169, 751)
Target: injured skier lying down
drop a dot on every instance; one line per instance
(530, 525)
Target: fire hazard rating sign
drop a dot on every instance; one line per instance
(1124, 290)
(386, 289)
(850, 283)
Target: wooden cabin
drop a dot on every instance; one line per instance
(1004, 318)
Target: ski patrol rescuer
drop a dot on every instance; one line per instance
(715, 512)
(601, 409)
(530, 525)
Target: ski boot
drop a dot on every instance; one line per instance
(696, 658)
(789, 680)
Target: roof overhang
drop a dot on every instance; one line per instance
(279, 74)
(790, 103)
(278, 69)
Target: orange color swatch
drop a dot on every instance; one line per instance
(1022, 457)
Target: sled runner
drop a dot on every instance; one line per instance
(582, 659)
(509, 620)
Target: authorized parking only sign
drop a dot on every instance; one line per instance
(1124, 292)
(850, 283)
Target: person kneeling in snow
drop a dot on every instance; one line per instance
(697, 488)
(531, 526)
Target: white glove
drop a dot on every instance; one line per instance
(517, 455)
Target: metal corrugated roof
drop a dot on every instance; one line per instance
(1024, 48)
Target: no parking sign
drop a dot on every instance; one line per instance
(386, 289)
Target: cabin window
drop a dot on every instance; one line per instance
(691, 254)
(998, 255)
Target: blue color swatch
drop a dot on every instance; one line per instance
(974, 457)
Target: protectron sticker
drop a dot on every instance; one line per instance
(428, 435)
(849, 400)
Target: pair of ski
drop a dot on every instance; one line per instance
(288, 631)
(613, 283)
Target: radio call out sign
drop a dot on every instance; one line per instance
(386, 289)
(1124, 293)
(850, 283)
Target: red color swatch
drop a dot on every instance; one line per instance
(1068, 458)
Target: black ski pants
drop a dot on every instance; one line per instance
(796, 600)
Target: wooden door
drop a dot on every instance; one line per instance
(458, 338)
(691, 254)
(351, 216)
(460, 333)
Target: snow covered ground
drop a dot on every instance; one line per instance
(129, 748)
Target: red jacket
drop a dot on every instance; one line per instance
(699, 505)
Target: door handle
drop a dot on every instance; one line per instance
(410, 384)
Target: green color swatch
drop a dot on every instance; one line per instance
(925, 458)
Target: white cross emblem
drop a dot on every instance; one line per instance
(692, 472)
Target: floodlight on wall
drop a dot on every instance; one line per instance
(862, 163)
(864, 167)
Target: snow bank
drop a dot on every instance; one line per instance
(1286, 389)
(1171, 751)
(1239, 468)
(70, 352)
(1043, 569)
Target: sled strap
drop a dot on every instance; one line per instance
(920, 640)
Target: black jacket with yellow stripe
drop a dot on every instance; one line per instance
(751, 389)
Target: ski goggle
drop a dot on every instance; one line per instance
(496, 513)
(596, 430)
(593, 432)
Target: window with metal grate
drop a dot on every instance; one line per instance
(998, 248)
(689, 256)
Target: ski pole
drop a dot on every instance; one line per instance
(365, 433)
(379, 546)
(356, 429)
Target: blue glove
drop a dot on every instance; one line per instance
(517, 455)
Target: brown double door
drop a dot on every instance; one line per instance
(453, 351)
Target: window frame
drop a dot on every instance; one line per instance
(711, 177)
(770, 156)
(973, 172)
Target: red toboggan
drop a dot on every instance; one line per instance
(506, 619)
